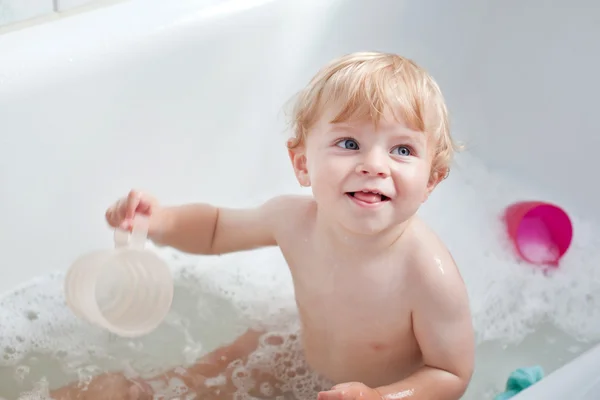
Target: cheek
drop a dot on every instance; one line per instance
(324, 166)
(412, 175)
(327, 176)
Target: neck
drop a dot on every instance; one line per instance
(332, 234)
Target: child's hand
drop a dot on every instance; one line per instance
(106, 386)
(350, 391)
(121, 213)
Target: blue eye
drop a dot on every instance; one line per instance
(349, 144)
(402, 151)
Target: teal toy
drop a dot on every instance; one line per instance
(520, 379)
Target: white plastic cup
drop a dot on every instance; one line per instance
(127, 290)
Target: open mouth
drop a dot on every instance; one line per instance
(369, 196)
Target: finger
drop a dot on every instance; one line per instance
(120, 208)
(109, 215)
(342, 385)
(133, 200)
(330, 395)
(126, 224)
(140, 390)
(112, 215)
(135, 393)
(144, 205)
(115, 215)
(121, 219)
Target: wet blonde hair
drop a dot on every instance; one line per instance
(365, 84)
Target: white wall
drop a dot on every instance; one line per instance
(531, 98)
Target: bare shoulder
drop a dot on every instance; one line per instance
(265, 225)
(288, 212)
(435, 266)
(287, 203)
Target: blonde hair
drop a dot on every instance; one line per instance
(362, 85)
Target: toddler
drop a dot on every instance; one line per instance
(383, 308)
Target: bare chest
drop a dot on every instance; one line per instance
(354, 313)
(361, 308)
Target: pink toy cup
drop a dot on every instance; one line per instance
(540, 231)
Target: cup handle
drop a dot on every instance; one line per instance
(138, 236)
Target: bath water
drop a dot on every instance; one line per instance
(521, 315)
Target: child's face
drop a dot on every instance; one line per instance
(342, 162)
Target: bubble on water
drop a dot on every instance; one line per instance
(21, 373)
(266, 389)
(509, 297)
(176, 388)
(278, 368)
(216, 381)
(40, 391)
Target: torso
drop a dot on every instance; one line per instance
(355, 311)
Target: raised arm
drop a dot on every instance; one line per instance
(207, 229)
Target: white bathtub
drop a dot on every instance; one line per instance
(184, 99)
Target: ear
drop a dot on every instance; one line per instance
(298, 159)
(437, 175)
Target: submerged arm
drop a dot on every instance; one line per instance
(116, 386)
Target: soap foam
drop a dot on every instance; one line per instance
(218, 298)
(510, 297)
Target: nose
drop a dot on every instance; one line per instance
(374, 164)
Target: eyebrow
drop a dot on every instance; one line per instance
(341, 126)
(401, 134)
(337, 126)
(413, 136)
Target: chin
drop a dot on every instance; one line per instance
(367, 229)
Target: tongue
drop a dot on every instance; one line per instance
(367, 197)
